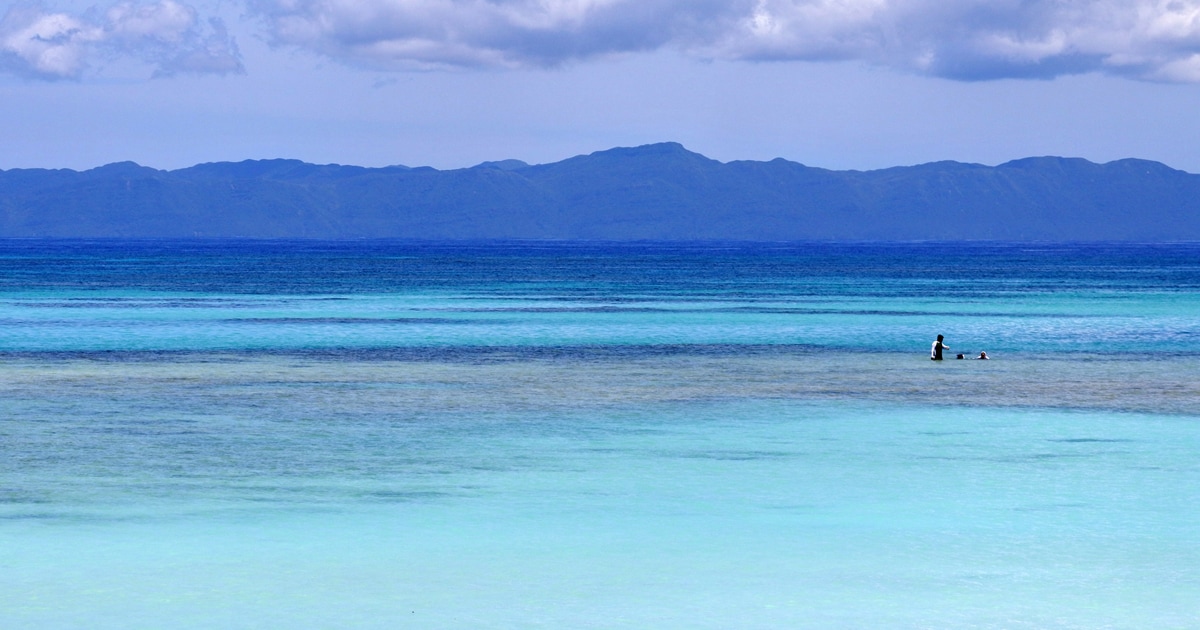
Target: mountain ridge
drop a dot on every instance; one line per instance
(653, 192)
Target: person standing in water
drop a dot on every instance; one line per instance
(938, 346)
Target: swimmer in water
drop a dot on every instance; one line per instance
(936, 352)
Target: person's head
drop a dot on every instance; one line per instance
(940, 337)
(982, 355)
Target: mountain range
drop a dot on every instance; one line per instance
(653, 192)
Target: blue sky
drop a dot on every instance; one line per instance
(845, 84)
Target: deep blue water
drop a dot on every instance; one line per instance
(590, 270)
(516, 435)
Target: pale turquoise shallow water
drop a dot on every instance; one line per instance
(391, 435)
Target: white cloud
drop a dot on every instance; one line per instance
(166, 22)
(414, 34)
(962, 39)
(44, 44)
(40, 43)
(1178, 70)
(1156, 40)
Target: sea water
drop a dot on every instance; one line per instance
(516, 435)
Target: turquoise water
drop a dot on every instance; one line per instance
(380, 435)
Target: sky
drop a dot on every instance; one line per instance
(840, 84)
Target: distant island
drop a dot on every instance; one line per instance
(653, 192)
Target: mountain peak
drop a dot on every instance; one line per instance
(656, 149)
(122, 169)
(503, 165)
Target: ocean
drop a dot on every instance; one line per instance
(302, 434)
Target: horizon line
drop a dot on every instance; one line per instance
(496, 162)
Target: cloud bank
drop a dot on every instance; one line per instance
(37, 42)
(1156, 40)
(957, 39)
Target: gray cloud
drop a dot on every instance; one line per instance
(425, 34)
(1157, 40)
(959, 39)
(38, 42)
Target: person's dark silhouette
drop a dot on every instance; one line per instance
(938, 346)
